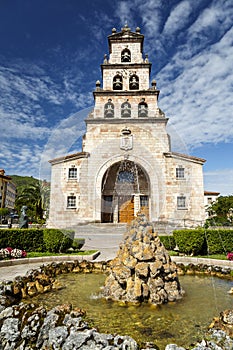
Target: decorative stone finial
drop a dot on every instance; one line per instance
(146, 58)
(153, 83)
(125, 28)
(113, 30)
(105, 59)
(138, 30)
(97, 84)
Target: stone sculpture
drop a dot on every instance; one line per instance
(142, 269)
(23, 220)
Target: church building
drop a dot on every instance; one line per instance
(126, 164)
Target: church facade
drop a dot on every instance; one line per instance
(126, 164)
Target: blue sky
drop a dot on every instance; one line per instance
(50, 56)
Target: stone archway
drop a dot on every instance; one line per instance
(125, 191)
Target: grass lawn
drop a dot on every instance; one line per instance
(213, 256)
(41, 254)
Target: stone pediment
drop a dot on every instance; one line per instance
(126, 35)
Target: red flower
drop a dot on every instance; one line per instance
(230, 256)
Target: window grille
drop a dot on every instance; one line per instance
(181, 202)
(180, 173)
(72, 173)
(71, 202)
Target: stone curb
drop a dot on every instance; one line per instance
(45, 259)
(178, 259)
(196, 261)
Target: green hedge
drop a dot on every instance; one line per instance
(190, 241)
(202, 241)
(57, 241)
(30, 239)
(168, 242)
(219, 241)
(37, 240)
(78, 243)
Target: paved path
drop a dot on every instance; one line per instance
(10, 272)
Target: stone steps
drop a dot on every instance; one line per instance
(100, 229)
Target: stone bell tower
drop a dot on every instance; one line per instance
(125, 126)
(126, 164)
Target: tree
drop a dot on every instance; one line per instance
(3, 212)
(223, 209)
(35, 197)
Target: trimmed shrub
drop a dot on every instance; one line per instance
(78, 243)
(190, 241)
(57, 241)
(168, 242)
(30, 239)
(219, 241)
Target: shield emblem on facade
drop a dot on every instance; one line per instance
(126, 142)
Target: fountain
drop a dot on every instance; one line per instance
(142, 270)
(24, 324)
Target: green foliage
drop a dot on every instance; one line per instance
(204, 241)
(190, 241)
(168, 242)
(24, 239)
(221, 208)
(23, 181)
(35, 196)
(219, 241)
(37, 240)
(217, 221)
(4, 211)
(78, 243)
(57, 241)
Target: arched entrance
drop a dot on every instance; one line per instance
(125, 192)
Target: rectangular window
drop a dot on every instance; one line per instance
(181, 202)
(72, 173)
(144, 201)
(209, 200)
(71, 202)
(180, 172)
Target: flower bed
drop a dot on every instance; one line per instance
(12, 253)
(230, 256)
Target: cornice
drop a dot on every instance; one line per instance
(69, 157)
(184, 156)
(127, 121)
(129, 65)
(101, 92)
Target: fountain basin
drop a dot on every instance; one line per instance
(182, 322)
(12, 291)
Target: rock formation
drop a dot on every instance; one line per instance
(142, 269)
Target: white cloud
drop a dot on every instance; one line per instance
(21, 156)
(199, 99)
(62, 139)
(124, 9)
(178, 18)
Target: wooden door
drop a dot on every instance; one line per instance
(126, 209)
(106, 214)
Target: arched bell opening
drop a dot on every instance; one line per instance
(125, 192)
